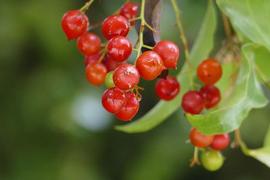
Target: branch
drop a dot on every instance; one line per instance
(181, 29)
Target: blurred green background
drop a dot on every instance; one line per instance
(53, 127)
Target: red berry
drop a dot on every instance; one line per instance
(192, 102)
(126, 76)
(220, 142)
(209, 71)
(119, 48)
(167, 88)
(150, 65)
(198, 139)
(130, 109)
(91, 59)
(111, 64)
(89, 44)
(211, 95)
(115, 25)
(169, 53)
(96, 73)
(74, 24)
(129, 10)
(113, 99)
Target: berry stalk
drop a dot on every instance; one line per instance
(181, 29)
(195, 160)
(144, 24)
(182, 36)
(86, 6)
(140, 40)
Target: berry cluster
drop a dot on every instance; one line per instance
(211, 157)
(107, 62)
(194, 102)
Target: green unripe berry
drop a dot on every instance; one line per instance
(109, 80)
(212, 160)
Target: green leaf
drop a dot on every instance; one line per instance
(261, 154)
(267, 138)
(261, 55)
(250, 17)
(202, 47)
(235, 107)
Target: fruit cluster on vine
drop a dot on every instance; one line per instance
(106, 63)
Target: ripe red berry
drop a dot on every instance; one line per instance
(74, 24)
(130, 109)
(220, 142)
(198, 139)
(91, 59)
(192, 102)
(113, 99)
(209, 71)
(129, 10)
(119, 48)
(150, 65)
(96, 73)
(111, 64)
(167, 88)
(89, 44)
(126, 76)
(115, 25)
(211, 96)
(169, 53)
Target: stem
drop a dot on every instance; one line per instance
(134, 49)
(239, 142)
(146, 46)
(86, 6)
(103, 54)
(181, 29)
(134, 19)
(227, 27)
(195, 159)
(143, 24)
(137, 90)
(140, 41)
(237, 138)
(96, 25)
(182, 37)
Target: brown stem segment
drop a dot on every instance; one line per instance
(227, 27)
(181, 28)
(195, 160)
(237, 139)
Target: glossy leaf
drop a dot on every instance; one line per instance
(201, 49)
(261, 56)
(250, 17)
(234, 107)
